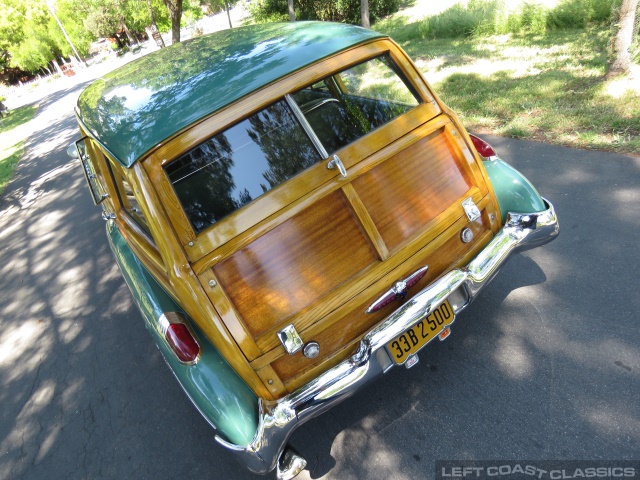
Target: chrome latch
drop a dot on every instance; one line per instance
(290, 339)
(337, 163)
(106, 216)
(471, 209)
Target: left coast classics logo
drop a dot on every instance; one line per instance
(542, 470)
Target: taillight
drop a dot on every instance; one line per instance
(482, 147)
(179, 337)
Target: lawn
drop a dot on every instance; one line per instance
(11, 147)
(548, 86)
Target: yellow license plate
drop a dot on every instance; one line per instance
(421, 333)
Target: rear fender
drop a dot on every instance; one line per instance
(515, 193)
(214, 388)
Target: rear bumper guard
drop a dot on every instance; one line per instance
(278, 419)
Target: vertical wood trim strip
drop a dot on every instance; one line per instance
(365, 221)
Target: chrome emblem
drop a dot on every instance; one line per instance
(398, 291)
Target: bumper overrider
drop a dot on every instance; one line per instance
(278, 419)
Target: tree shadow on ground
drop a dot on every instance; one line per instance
(543, 365)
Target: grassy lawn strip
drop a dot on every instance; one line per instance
(549, 86)
(11, 149)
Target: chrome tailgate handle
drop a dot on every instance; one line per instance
(335, 162)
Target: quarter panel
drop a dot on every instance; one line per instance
(215, 389)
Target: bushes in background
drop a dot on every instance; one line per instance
(329, 10)
(489, 17)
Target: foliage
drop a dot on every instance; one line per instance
(548, 87)
(10, 149)
(30, 38)
(579, 13)
(491, 17)
(327, 10)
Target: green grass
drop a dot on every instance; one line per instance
(11, 145)
(548, 86)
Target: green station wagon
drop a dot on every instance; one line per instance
(296, 213)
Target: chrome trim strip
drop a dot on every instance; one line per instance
(305, 126)
(278, 419)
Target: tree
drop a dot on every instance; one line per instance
(154, 25)
(292, 13)
(175, 13)
(29, 37)
(216, 5)
(624, 37)
(364, 12)
(228, 9)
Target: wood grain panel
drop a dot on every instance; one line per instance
(295, 264)
(365, 221)
(186, 287)
(356, 322)
(229, 315)
(289, 210)
(340, 301)
(410, 189)
(243, 219)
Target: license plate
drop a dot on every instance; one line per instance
(421, 333)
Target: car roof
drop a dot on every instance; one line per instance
(141, 104)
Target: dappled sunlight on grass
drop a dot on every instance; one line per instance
(525, 98)
(549, 87)
(12, 136)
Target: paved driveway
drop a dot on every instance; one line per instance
(545, 365)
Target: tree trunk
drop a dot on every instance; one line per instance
(175, 13)
(154, 26)
(364, 13)
(132, 40)
(292, 13)
(624, 37)
(226, 7)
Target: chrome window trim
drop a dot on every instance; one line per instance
(305, 126)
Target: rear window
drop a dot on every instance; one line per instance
(346, 106)
(240, 164)
(264, 150)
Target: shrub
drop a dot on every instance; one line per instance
(531, 19)
(459, 20)
(328, 10)
(490, 17)
(579, 13)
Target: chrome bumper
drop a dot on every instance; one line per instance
(278, 419)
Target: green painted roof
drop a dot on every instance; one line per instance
(139, 105)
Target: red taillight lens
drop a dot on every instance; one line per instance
(182, 342)
(482, 147)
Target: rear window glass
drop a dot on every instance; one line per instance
(264, 150)
(238, 165)
(343, 107)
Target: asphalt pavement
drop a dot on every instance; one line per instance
(544, 365)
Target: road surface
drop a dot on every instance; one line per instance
(544, 365)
